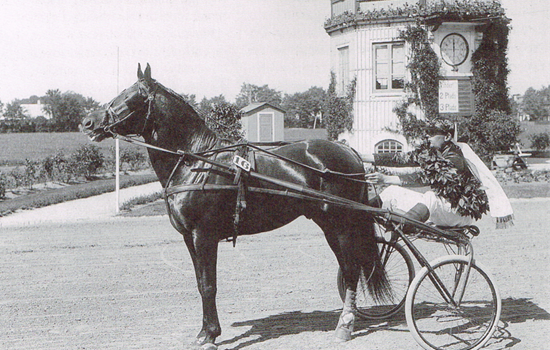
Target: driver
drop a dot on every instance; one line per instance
(462, 189)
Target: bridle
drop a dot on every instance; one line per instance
(113, 113)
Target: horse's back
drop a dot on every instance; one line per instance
(315, 165)
(323, 154)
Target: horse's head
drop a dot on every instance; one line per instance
(126, 114)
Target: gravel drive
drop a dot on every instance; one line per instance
(128, 283)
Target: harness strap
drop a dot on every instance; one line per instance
(239, 180)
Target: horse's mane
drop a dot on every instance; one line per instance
(176, 96)
(204, 138)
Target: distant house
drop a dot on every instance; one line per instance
(34, 110)
(263, 122)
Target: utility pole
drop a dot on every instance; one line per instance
(117, 142)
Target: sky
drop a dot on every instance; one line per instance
(206, 48)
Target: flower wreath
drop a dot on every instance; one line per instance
(462, 190)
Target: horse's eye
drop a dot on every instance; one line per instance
(134, 100)
(105, 119)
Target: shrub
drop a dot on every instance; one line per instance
(18, 177)
(31, 173)
(133, 158)
(540, 142)
(393, 160)
(86, 161)
(224, 119)
(3, 185)
(56, 168)
(490, 134)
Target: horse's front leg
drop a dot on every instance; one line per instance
(204, 253)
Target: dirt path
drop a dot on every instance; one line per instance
(128, 283)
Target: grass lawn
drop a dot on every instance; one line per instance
(17, 147)
(37, 146)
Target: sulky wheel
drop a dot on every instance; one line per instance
(466, 321)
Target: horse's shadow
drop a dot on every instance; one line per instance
(296, 322)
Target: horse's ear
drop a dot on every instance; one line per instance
(139, 72)
(147, 73)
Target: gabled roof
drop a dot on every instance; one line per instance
(258, 106)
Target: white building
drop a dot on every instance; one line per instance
(263, 122)
(367, 47)
(34, 110)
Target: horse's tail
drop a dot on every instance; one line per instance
(373, 271)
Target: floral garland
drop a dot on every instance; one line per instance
(463, 191)
(459, 10)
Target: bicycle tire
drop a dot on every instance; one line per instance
(400, 271)
(435, 324)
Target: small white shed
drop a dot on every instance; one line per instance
(263, 122)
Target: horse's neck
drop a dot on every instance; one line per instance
(177, 127)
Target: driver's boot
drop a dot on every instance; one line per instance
(419, 212)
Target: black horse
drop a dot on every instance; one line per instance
(204, 216)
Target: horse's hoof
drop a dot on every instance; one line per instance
(209, 346)
(344, 328)
(342, 335)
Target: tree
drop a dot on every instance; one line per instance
(307, 106)
(14, 111)
(67, 109)
(224, 119)
(88, 103)
(15, 119)
(252, 93)
(540, 142)
(191, 100)
(206, 105)
(490, 134)
(536, 103)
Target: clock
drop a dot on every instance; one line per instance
(454, 49)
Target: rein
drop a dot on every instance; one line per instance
(141, 143)
(233, 169)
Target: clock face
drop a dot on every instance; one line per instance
(454, 49)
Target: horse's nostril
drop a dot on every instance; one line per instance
(88, 123)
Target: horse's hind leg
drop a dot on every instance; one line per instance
(204, 254)
(341, 238)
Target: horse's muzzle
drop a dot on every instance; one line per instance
(91, 126)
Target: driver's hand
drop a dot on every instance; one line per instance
(374, 178)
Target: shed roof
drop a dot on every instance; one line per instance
(258, 106)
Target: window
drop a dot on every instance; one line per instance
(343, 68)
(389, 64)
(389, 146)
